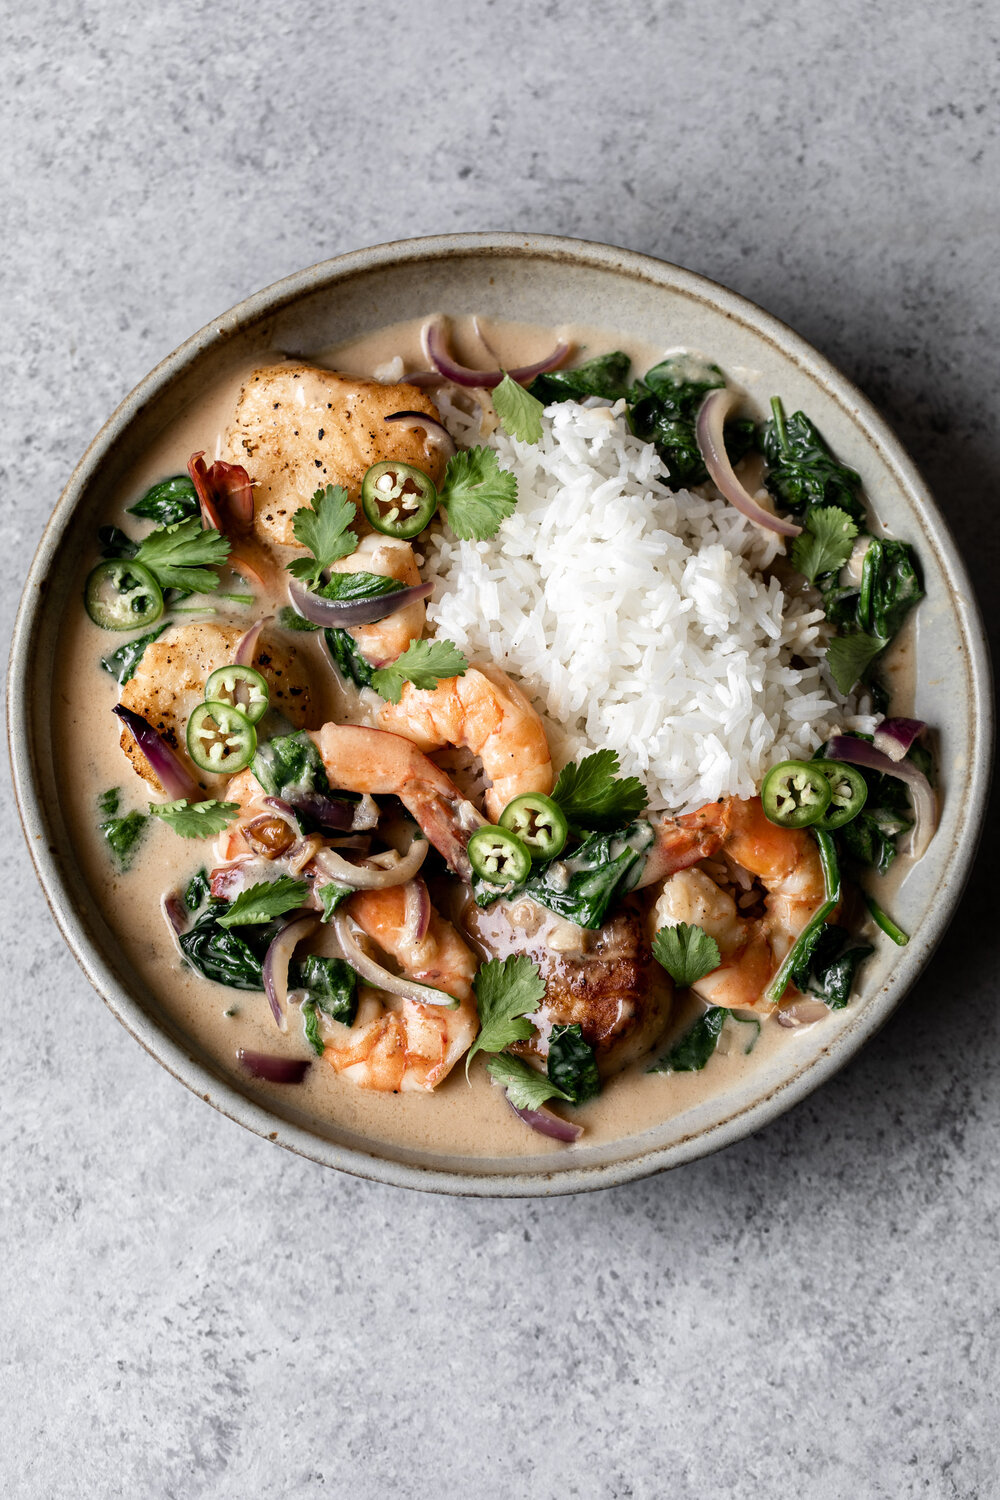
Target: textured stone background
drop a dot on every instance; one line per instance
(189, 1312)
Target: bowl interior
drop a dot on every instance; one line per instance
(546, 281)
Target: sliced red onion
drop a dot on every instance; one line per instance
(709, 431)
(174, 913)
(247, 648)
(381, 979)
(416, 911)
(436, 348)
(273, 1069)
(547, 1123)
(337, 613)
(370, 877)
(860, 753)
(276, 962)
(169, 771)
(896, 737)
(802, 1012)
(436, 434)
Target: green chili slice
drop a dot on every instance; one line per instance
(219, 739)
(795, 794)
(242, 688)
(497, 855)
(539, 823)
(848, 793)
(398, 499)
(122, 595)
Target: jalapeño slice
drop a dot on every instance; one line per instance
(795, 794)
(122, 595)
(849, 792)
(539, 823)
(398, 499)
(242, 688)
(220, 740)
(497, 855)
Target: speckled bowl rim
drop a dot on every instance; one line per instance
(227, 1099)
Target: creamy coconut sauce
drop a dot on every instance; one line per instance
(458, 1118)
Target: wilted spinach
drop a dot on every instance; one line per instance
(581, 886)
(289, 765)
(123, 663)
(332, 985)
(225, 955)
(828, 968)
(122, 835)
(168, 502)
(802, 469)
(605, 376)
(696, 1046)
(571, 1064)
(347, 658)
(663, 409)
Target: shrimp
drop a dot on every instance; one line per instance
(169, 683)
(786, 864)
(297, 428)
(394, 1043)
(389, 557)
(488, 714)
(380, 763)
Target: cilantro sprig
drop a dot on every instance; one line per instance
(826, 542)
(686, 952)
(476, 494)
(593, 795)
(507, 993)
(526, 1087)
(265, 901)
(424, 663)
(182, 556)
(520, 412)
(322, 528)
(195, 820)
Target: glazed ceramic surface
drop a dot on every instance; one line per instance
(543, 280)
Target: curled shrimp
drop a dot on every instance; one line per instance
(484, 712)
(786, 864)
(395, 1043)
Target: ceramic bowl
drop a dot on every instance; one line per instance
(545, 280)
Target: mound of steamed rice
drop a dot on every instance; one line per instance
(636, 618)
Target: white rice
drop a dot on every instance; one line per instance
(636, 618)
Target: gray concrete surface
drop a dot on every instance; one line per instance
(186, 1311)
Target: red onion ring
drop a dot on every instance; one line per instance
(859, 753)
(416, 911)
(436, 348)
(712, 445)
(546, 1123)
(896, 737)
(436, 434)
(169, 771)
(276, 962)
(272, 1069)
(174, 913)
(373, 973)
(247, 648)
(336, 613)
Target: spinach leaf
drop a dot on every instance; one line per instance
(310, 1025)
(696, 1046)
(114, 542)
(663, 409)
(890, 587)
(581, 886)
(348, 659)
(803, 470)
(331, 895)
(168, 502)
(349, 586)
(290, 764)
(290, 619)
(122, 835)
(827, 970)
(123, 663)
(605, 376)
(332, 985)
(197, 891)
(225, 955)
(571, 1064)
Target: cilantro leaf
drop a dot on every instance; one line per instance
(687, 953)
(476, 494)
(519, 411)
(122, 835)
(526, 1087)
(322, 528)
(265, 901)
(849, 656)
(696, 1046)
(195, 820)
(593, 795)
(506, 993)
(424, 663)
(183, 555)
(331, 895)
(825, 544)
